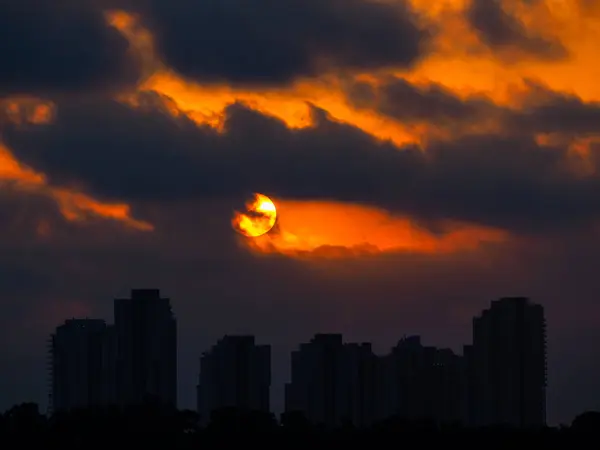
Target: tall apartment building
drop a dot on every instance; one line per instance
(332, 382)
(236, 373)
(363, 373)
(507, 365)
(146, 360)
(81, 365)
(423, 383)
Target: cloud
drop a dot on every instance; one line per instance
(537, 109)
(510, 182)
(500, 30)
(63, 45)
(151, 154)
(23, 215)
(408, 103)
(547, 111)
(147, 153)
(271, 42)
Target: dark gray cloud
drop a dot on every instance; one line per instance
(500, 30)
(50, 47)
(116, 151)
(17, 279)
(542, 111)
(549, 111)
(270, 41)
(123, 152)
(408, 103)
(509, 182)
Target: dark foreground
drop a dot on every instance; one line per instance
(151, 425)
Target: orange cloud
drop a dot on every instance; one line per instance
(463, 66)
(74, 206)
(77, 207)
(141, 41)
(326, 229)
(11, 171)
(20, 110)
(459, 62)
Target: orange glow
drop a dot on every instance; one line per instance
(335, 229)
(205, 104)
(77, 207)
(11, 171)
(258, 219)
(74, 206)
(459, 62)
(464, 65)
(141, 41)
(21, 110)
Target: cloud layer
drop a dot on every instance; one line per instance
(504, 179)
(59, 46)
(274, 42)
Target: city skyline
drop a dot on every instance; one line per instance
(126, 363)
(501, 377)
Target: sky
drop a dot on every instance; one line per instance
(425, 159)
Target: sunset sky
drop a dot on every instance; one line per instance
(425, 158)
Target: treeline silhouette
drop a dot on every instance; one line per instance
(158, 424)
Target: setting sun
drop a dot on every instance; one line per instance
(258, 219)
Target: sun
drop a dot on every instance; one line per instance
(258, 219)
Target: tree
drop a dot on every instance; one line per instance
(24, 418)
(587, 421)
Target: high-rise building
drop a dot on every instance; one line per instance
(362, 369)
(146, 360)
(470, 381)
(508, 365)
(422, 382)
(333, 383)
(81, 360)
(234, 373)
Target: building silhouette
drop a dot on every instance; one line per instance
(363, 380)
(423, 383)
(146, 360)
(234, 373)
(333, 383)
(507, 365)
(81, 365)
(500, 379)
